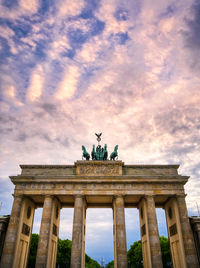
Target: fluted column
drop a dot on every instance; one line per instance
(120, 251)
(78, 236)
(156, 256)
(12, 232)
(188, 239)
(45, 232)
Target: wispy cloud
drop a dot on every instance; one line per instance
(68, 85)
(36, 84)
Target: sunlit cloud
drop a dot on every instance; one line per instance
(30, 6)
(36, 84)
(70, 8)
(69, 83)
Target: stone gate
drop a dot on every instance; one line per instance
(98, 184)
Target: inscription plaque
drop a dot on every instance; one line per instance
(25, 229)
(143, 230)
(55, 230)
(173, 229)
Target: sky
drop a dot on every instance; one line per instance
(129, 69)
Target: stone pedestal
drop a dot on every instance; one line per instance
(78, 236)
(120, 251)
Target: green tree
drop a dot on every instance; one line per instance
(165, 250)
(134, 255)
(90, 263)
(33, 250)
(110, 264)
(64, 253)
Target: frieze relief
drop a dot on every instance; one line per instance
(99, 170)
(95, 187)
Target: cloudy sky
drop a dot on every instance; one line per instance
(129, 69)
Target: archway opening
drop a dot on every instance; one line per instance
(99, 234)
(37, 221)
(132, 226)
(134, 247)
(164, 239)
(66, 223)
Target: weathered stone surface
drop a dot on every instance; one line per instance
(154, 240)
(78, 240)
(4, 220)
(119, 232)
(101, 168)
(188, 239)
(47, 170)
(45, 229)
(150, 170)
(11, 235)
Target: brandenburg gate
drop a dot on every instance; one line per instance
(98, 183)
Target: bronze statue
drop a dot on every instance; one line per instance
(98, 136)
(85, 153)
(101, 153)
(114, 154)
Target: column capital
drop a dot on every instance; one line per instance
(18, 195)
(118, 196)
(149, 196)
(181, 195)
(48, 195)
(79, 196)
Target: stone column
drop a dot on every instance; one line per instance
(4, 220)
(175, 233)
(195, 225)
(12, 233)
(45, 232)
(188, 239)
(156, 256)
(120, 251)
(77, 252)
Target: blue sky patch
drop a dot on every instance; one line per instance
(121, 14)
(122, 38)
(168, 12)
(90, 7)
(77, 37)
(97, 27)
(69, 53)
(21, 29)
(10, 3)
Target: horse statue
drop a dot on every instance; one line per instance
(114, 154)
(105, 155)
(93, 153)
(85, 153)
(99, 153)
